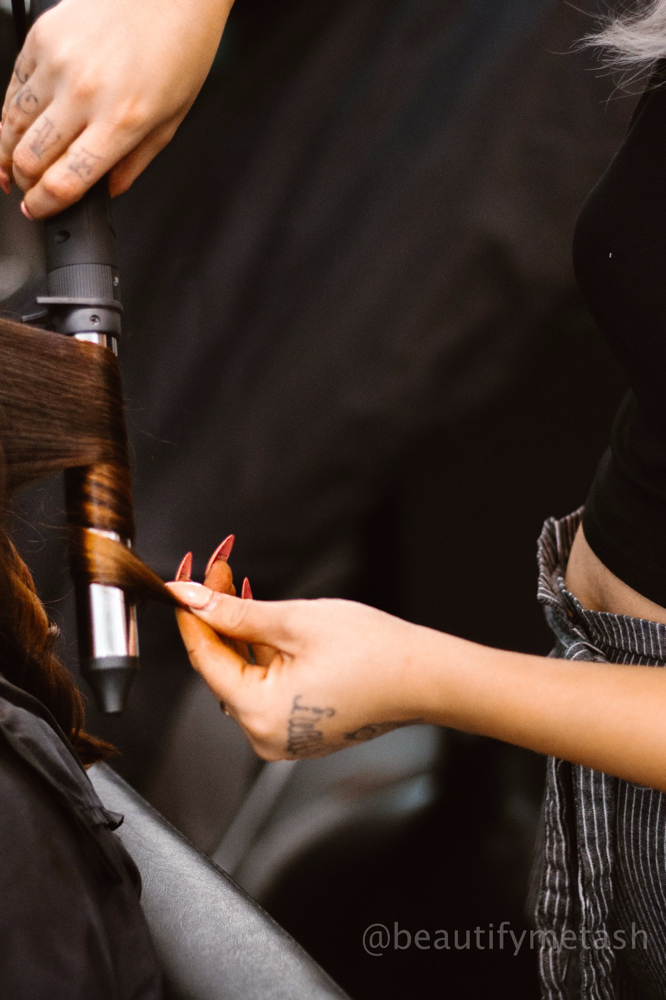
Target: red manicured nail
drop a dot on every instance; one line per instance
(223, 551)
(26, 212)
(184, 571)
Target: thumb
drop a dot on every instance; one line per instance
(266, 622)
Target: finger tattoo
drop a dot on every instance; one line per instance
(21, 75)
(83, 163)
(26, 100)
(43, 137)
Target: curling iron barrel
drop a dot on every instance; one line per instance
(83, 302)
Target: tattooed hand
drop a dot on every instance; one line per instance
(102, 87)
(329, 674)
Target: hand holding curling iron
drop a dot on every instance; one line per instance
(100, 87)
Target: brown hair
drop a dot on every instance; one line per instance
(61, 408)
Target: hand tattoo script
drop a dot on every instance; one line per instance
(83, 163)
(44, 137)
(378, 729)
(303, 733)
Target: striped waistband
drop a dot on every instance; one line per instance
(606, 636)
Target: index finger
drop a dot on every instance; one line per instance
(220, 666)
(24, 67)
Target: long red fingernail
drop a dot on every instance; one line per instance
(26, 212)
(223, 551)
(184, 571)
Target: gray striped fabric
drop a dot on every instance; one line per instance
(601, 905)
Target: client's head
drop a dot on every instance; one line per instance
(61, 408)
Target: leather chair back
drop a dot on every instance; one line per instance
(213, 941)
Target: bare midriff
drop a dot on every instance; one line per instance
(598, 589)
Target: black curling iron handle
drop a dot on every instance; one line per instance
(83, 283)
(82, 237)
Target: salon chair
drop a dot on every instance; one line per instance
(213, 941)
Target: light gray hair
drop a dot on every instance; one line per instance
(632, 42)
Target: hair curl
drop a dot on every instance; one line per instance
(61, 409)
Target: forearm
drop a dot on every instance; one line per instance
(350, 672)
(609, 717)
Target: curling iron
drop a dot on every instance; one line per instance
(83, 301)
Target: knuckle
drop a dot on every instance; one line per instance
(134, 117)
(37, 35)
(40, 33)
(83, 88)
(15, 120)
(25, 163)
(235, 614)
(57, 61)
(130, 116)
(62, 187)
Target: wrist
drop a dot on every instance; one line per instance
(451, 679)
(420, 676)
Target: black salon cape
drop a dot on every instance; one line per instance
(70, 921)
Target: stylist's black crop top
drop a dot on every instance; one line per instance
(620, 263)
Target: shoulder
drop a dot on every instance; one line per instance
(38, 839)
(70, 921)
(48, 804)
(47, 890)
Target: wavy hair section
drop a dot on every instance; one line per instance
(61, 408)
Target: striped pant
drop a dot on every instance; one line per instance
(601, 888)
